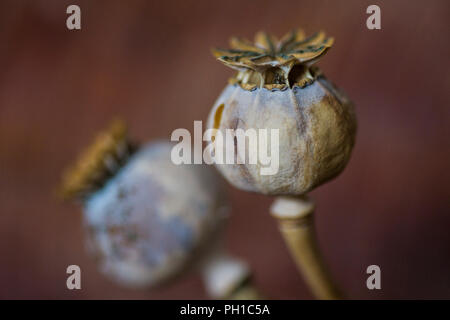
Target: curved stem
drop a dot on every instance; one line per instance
(295, 221)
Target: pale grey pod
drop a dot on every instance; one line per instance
(317, 128)
(153, 218)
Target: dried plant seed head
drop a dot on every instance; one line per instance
(150, 219)
(277, 87)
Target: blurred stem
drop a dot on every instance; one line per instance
(245, 291)
(295, 221)
(226, 277)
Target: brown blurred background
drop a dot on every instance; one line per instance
(150, 62)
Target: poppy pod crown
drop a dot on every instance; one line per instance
(272, 63)
(96, 164)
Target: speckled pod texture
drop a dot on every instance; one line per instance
(152, 218)
(317, 128)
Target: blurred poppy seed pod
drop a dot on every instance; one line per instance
(277, 87)
(146, 219)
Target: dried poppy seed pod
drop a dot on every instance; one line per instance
(276, 87)
(146, 218)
